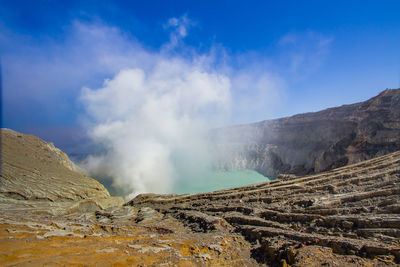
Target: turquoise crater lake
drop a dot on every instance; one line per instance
(218, 180)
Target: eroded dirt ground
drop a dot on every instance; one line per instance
(55, 241)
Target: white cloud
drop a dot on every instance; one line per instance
(146, 118)
(178, 28)
(305, 52)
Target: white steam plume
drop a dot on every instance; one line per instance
(152, 117)
(148, 120)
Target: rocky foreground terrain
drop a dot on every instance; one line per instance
(52, 214)
(313, 142)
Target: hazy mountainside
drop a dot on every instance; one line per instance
(52, 215)
(313, 142)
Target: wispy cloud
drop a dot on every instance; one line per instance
(45, 74)
(305, 52)
(178, 28)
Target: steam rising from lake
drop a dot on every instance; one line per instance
(152, 123)
(152, 117)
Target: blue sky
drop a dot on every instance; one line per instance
(281, 57)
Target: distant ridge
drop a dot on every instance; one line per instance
(316, 141)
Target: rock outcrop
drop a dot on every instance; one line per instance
(36, 174)
(313, 142)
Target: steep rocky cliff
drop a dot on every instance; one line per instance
(313, 142)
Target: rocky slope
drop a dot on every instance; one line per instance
(313, 142)
(36, 174)
(348, 216)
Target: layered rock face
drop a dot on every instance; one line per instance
(36, 174)
(313, 142)
(348, 216)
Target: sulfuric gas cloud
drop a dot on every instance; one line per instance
(153, 115)
(145, 120)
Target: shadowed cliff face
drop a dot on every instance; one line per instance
(314, 142)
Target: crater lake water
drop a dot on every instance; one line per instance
(218, 180)
(203, 182)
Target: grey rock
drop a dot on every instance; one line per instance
(313, 142)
